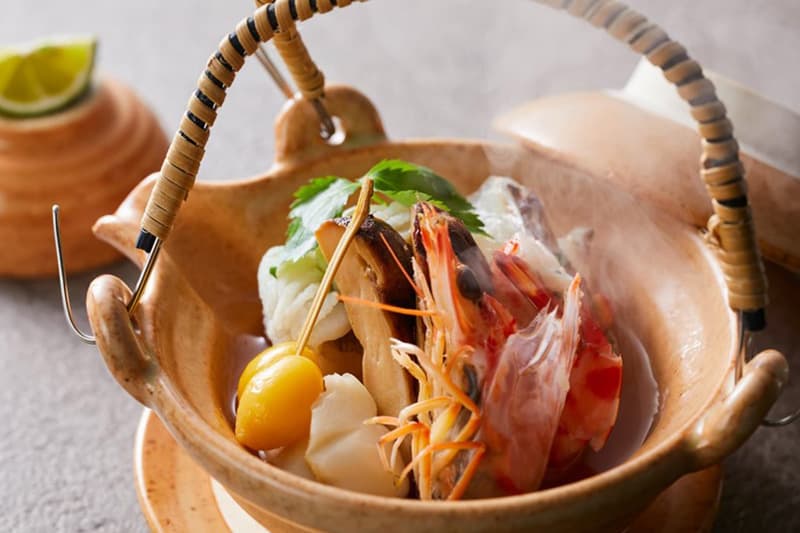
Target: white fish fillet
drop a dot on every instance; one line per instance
(286, 300)
(500, 202)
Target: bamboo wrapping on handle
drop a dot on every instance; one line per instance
(308, 78)
(731, 225)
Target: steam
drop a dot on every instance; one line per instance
(649, 268)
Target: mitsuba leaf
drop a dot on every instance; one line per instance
(408, 184)
(320, 200)
(325, 198)
(312, 189)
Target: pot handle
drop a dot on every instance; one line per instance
(726, 426)
(732, 224)
(124, 353)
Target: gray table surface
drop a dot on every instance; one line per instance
(440, 68)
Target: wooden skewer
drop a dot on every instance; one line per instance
(359, 215)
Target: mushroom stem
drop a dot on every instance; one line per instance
(359, 215)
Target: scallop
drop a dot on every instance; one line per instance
(342, 450)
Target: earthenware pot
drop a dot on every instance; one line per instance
(180, 351)
(202, 310)
(87, 159)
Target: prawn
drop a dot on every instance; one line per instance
(464, 329)
(484, 388)
(526, 395)
(595, 379)
(498, 406)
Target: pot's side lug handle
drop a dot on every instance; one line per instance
(729, 423)
(297, 128)
(123, 352)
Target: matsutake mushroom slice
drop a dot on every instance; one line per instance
(340, 356)
(369, 273)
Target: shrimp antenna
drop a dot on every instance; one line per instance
(400, 266)
(385, 307)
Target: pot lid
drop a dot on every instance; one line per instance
(639, 139)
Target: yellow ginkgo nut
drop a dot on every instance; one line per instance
(275, 405)
(267, 358)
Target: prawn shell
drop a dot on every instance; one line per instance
(524, 400)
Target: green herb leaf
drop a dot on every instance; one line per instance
(312, 188)
(408, 184)
(321, 200)
(325, 198)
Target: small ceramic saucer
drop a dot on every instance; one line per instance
(177, 495)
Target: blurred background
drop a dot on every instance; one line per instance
(443, 68)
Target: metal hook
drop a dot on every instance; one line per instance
(136, 295)
(62, 280)
(272, 70)
(327, 127)
(147, 269)
(744, 345)
(778, 422)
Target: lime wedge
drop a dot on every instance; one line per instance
(46, 76)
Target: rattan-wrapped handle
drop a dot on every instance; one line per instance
(308, 78)
(732, 224)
